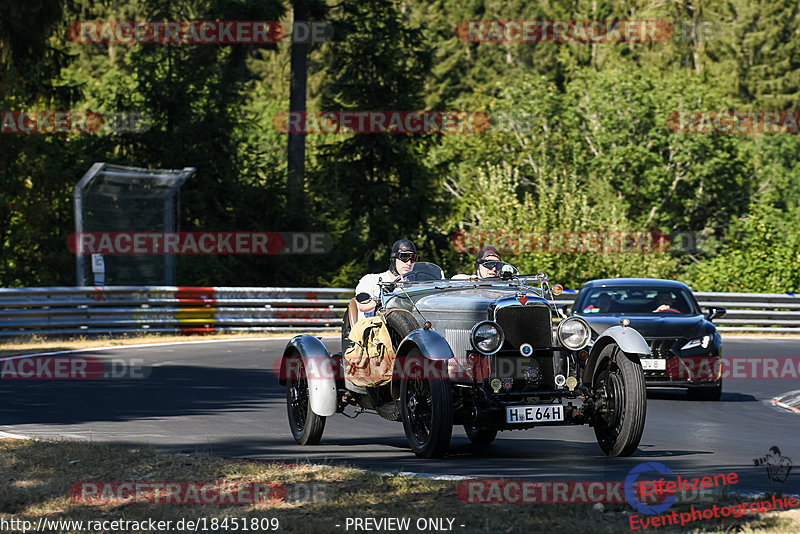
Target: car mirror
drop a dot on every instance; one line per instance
(363, 298)
(508, 271)
(715, 312)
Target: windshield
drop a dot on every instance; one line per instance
(425, 271)
(641, 300)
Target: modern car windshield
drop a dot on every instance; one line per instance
(638, 300)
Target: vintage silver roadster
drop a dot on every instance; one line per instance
(477, 353)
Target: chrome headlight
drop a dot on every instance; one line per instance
(699, 342)
(574, 333)
(487, 337)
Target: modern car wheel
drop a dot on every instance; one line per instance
(306, 426)
(426, 406)
(621, 402)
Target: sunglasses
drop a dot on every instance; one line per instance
(491, 265)
(405, 257)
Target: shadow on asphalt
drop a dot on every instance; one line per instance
(168, 391)
(681, 395)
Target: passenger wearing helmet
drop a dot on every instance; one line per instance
(401, 262)
(487, 264)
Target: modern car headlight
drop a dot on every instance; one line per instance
(574, 333)
(487, 337)
(699, 342)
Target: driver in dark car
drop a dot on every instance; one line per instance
(401, 262)
(663, 302)
(601, 305)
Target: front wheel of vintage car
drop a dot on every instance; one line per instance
(307, 427)
(621, 402)
(480, 435)
(426, 406)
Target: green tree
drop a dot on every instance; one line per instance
(760, 253)
(373, 189)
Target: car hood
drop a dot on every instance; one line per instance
(467, 300)
(653, 326)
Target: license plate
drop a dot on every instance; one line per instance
(534, 414)
(654, 364)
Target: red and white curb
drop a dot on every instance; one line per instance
(788, 401)
(8, 435)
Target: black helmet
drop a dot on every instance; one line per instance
(483, 253)
(401, 245)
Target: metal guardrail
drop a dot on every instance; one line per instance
(168, 309)
(172, 309)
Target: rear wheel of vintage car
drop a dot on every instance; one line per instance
(706, 393)
(622, 402)
(307, 427)
(480, 435)
(426, 405)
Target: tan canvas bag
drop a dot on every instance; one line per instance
(369, 361)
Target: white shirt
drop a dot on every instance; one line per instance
(369, 284)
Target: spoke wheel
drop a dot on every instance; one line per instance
(621, 402)
(306, 426)
(426, 407)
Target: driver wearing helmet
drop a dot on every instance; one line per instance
(401, 262)
(487, 264)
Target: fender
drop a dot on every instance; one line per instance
(429, 342)
(320, 372)
(627, 339)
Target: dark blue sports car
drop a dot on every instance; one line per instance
(685, 345)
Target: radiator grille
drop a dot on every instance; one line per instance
(458, 339)
(526, 324)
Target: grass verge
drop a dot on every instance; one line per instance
(37, 475)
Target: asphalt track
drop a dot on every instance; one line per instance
(224, 398)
